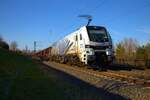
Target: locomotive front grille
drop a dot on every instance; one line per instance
(100, 47)
(97, 47)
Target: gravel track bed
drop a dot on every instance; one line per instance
(144, 74)
(129, 91)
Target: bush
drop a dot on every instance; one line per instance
(4, 45)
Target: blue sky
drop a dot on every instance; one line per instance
(46, 21)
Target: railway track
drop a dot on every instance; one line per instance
(107, 75)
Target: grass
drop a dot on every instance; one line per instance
(22, 79)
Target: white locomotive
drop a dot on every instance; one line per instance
(91, 45)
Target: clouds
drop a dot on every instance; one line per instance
(144, 30)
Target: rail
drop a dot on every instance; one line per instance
(109, 75)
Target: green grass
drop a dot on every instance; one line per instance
(22, 79)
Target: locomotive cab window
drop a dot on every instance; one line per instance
(97, 34)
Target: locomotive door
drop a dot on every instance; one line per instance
(81, 45)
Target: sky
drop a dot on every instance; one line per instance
(46, 21)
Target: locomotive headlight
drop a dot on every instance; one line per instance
(110, 46)
(108, 52)
(89, 51)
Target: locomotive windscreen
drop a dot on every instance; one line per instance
(97, 34)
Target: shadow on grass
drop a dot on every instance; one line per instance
(84, 89)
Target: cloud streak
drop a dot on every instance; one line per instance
(145, 30)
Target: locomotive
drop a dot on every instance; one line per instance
(89, 45)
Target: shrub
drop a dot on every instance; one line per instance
(4, 45)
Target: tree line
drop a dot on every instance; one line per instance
(130, 51)
(13, 45)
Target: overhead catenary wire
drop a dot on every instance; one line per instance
(85, 10)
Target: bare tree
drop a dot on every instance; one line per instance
(130, 46)
(13, 46)
(127, 48)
